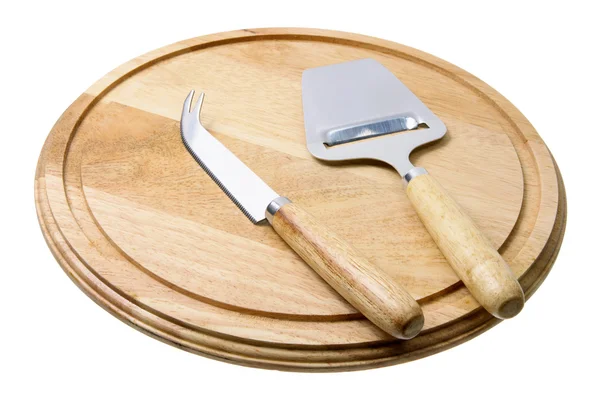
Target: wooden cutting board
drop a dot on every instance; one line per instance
(140, 228)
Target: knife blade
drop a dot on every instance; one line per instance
(250, 193)
(372, 292)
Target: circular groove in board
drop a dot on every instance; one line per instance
(143, 231)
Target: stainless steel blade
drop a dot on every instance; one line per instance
(250, 193)
(353, 109)
(367, 130)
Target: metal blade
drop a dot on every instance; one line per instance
(369, 129)
(360, 109)
(250, 193)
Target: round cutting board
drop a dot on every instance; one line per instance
(140, 228)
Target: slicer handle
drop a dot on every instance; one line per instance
(371, 291)
(478, 264)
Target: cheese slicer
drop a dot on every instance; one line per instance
(361, 110)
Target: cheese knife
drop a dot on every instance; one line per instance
(369, 289)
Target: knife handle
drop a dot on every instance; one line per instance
(376, 295)
(477, 263)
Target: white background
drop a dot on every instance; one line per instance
(56, 343)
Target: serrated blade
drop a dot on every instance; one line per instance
(250, 193)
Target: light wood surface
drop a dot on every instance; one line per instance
(470, 254)
(137, 224)
(372, 292)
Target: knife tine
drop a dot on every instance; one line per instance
(187, 105)
(198, 106)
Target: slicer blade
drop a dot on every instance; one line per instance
(369, 129)
(361, 99)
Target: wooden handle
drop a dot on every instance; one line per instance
(478, 264)
(368, 289)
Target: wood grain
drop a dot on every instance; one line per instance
(376, 295)
(481, 269)
(137, 224)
